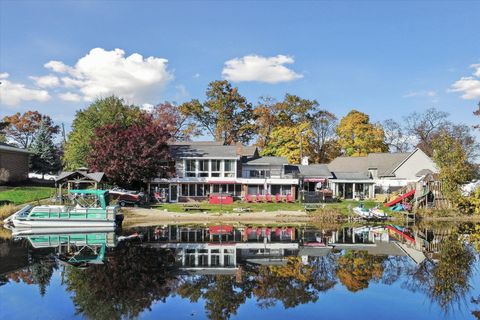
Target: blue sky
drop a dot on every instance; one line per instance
(384, 58)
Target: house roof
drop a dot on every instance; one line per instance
(385, 163)
(10, 148)
(198, 143)
(202, 149)
(95, 176)
(272, 161)
(364, 175)
(314, 170)
(248, 151)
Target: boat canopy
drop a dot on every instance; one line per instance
(102, 195)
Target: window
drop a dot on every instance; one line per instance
(262, 174)
(229, 168)
(216, 168)
(184, 189)
(200, 190)
(191, 190)
(190, 167)
(203, 168)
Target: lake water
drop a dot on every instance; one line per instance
(243, 272)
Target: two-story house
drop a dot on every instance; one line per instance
(202, 168)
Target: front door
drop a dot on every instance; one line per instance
(173, 193)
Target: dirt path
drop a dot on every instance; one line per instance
(144, 217)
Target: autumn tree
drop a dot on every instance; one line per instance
(290, 128)
(45, 157)
(358, 136)
(266, 115)
(23, 128)
(396, 137)
(180, 126)
(477, 113)
(3, 126)
(425, 126)
(130, 153)
(452, 160)
(226, 115)
(323, 144)
(107, 111)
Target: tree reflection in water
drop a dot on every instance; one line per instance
(132, 278)
(357, 268)
(446, 282)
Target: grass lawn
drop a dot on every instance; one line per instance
(267, 207)
(20, 195)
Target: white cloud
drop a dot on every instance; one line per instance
(469, 86)
(70, 96)
(48, 81)
(12, 93)
(102, 72)
(261, 69)
(422, 93)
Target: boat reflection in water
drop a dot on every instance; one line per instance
(218, 269)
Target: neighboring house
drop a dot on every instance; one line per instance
(13, 163)
(378, 173)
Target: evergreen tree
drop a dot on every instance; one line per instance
(45, 155)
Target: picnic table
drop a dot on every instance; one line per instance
(191, 206)
(313, 206)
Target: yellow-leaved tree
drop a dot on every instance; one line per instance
(358, 136)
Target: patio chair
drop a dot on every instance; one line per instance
(268, 197)
(248, 198)
(278, 198)
(289, 198)
(259, 198)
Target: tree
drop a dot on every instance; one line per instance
(289, 127)
(45, 155)
(452, 160)
(180, 126)
(266, 115)
(226, 115)
(358, 137)
(23, 128)
(132, 153)
(396, 138)
(425, 126)
(3, 126)
(110, 110)
(285, 142)
(324, 146)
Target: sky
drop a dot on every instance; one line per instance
(384, 58)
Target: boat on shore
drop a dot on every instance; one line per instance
(90, 208)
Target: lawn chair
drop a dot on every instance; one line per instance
(158, 197)
(289, 198)
(268, 197)
(259, 198)
(278, 198)
(248, 198)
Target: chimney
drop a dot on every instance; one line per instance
(239, 148)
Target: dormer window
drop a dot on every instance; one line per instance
(373, 173)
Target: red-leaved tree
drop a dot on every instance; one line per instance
(130, 154)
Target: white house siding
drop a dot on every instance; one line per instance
(416, 162)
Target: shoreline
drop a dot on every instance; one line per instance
(147, 217)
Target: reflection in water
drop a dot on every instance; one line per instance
(112, 277)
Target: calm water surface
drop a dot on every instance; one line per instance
(242, 272)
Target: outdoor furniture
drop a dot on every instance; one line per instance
(289, 198)
(313, 206)
(268, 197)
(259, 198)
(278, 198)
(248, 198)
(191, 206)
(244, 209)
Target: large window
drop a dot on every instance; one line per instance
(229, 168)
(262, 174)
(216, 168)
(203, 168)
(190, 168)
(195, 190)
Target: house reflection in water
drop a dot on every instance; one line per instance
(224, 249)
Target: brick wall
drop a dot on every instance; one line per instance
(13, 166)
